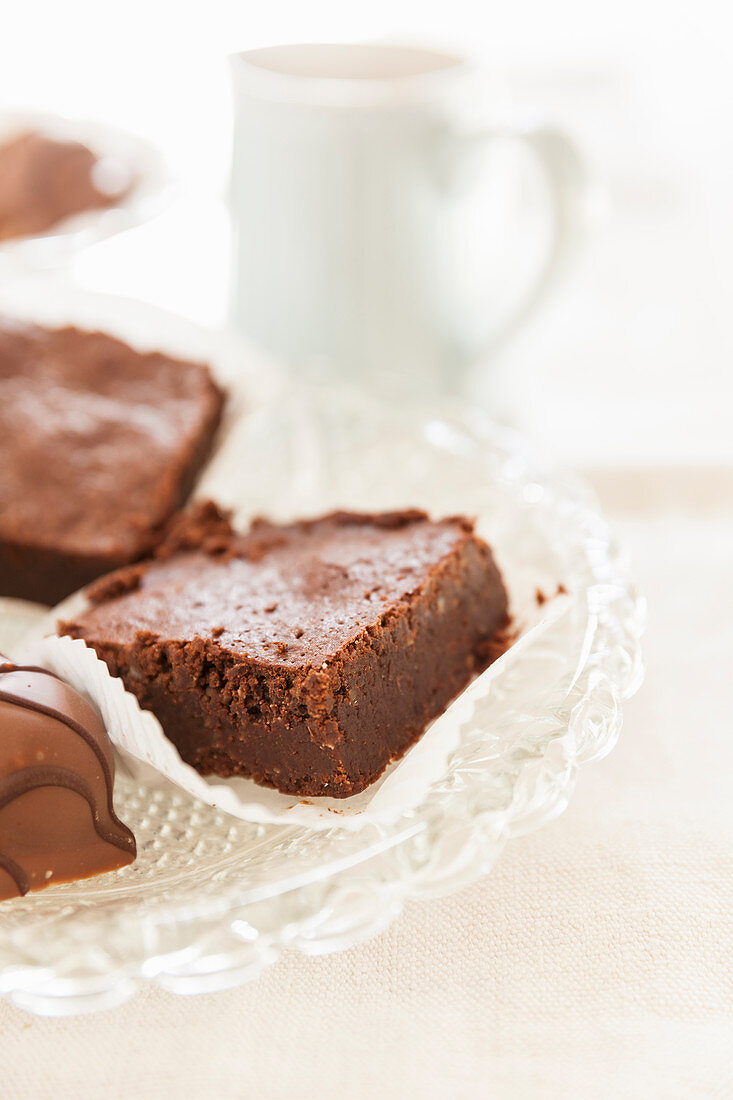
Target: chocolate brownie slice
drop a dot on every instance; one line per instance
(306, 656)
(99, 445)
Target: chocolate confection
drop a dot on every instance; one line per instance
(43, 181)
(99, 445)
(306, 656)
(57, 821)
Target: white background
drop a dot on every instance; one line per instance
(632, 364)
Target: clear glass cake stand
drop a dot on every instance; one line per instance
(212, 900)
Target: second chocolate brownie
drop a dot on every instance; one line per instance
(99, 445)
(306, 656)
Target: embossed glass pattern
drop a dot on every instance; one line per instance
(212, 900)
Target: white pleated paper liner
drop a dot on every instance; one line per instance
(149, 755)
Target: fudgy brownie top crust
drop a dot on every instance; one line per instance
(96, 438)
(304, 655)
(286, 595)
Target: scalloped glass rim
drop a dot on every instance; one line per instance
(211, 901)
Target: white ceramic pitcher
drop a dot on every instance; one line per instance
(363, 176)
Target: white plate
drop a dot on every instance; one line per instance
(211, 900)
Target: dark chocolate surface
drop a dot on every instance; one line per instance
(57, 819)
(305, 655)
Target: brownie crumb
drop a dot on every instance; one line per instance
(542, 598)
(387, 520)
(262, 544)
(468, 525)
(495, 646)
(204, 526)
(116, 584)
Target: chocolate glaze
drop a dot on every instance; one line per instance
(57, 819)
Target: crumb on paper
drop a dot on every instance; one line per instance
(542, 598)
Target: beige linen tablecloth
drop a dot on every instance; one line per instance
(595, 961)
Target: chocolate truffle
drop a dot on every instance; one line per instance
(306, 655)
(43, 181)
(57, 821)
